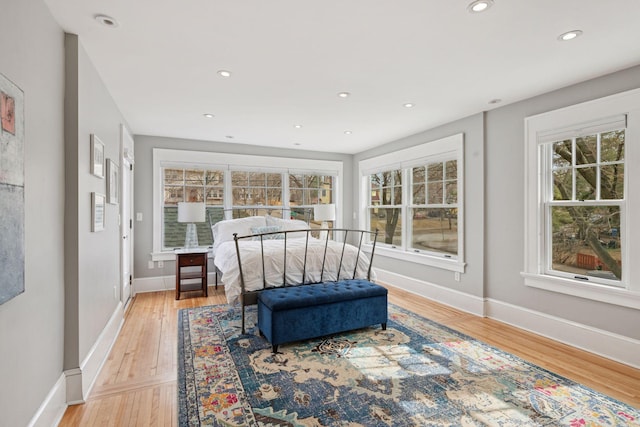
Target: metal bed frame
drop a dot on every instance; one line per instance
(251, 297)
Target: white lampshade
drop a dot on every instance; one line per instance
(191, 212)
(324, 212)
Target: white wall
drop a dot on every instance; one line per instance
(32, 324)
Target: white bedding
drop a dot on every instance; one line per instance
(250, 253)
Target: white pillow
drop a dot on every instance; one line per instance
(288, 225)
(267, 229)
(223, 230)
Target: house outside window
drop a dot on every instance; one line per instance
(232, 186)
(190, 185)
(413, 197)
(581, 200)
(308, 189)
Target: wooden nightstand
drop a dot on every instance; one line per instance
(194, 262)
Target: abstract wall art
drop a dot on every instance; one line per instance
(12, 244)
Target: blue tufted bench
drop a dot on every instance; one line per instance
(295, 313)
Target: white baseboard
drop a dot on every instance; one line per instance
(75, 384)
(162, 283)
(603, 343)
(606, 344)
(80, 381)
(52, 408)
(460, 300)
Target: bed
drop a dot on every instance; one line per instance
(257, 253)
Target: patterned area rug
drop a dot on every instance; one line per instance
(416, 373)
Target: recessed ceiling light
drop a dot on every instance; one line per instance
(344, 94)
(347, 132)
(478, 6)
(107, 21)
(297, 126)
(569, 35)
(495, 101)
(408, 105)
(208, 116)
(224, 73)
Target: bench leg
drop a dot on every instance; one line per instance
(274, 348)
(384, 326)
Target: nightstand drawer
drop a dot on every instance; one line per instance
(191, 260)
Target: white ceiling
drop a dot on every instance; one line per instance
(290, 58)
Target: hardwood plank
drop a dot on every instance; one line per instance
(137, 385)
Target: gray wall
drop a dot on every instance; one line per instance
(471, 281)
(143, 187)
(32, 324)
(494, 208)
(505, 209)
(94, 257)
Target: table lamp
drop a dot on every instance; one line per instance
(191, 213)
(324, 213)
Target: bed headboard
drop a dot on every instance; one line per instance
(215, 216)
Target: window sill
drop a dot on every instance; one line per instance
(171, 255)
(432, 261)
(592, 291)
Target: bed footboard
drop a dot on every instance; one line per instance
(329, 271)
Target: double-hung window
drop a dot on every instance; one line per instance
(580, 199)
(434, 207)
(254, 192)
(233, 186)
(308, 189)
(413, 197)
(190, 185)
(385, 206)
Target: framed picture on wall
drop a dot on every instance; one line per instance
(12, 202)
(112, 182)
(97, 211)
(97, 156)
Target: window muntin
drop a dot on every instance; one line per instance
(308, 189)
(190, 185)
(385, 206)
(254, 192)
(585, 207)
(434, 208)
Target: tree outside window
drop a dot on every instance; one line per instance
(586, 205)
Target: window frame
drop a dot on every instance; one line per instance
(535, 271)
(183, 159)
(451, 147)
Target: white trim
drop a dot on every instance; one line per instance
(451, 147)
(226, 161)
(409, 156)
(619, 104)
(592, 291)
(164, 283)
(80, 380)
(73, 378)
(441, 261)
(606, 344)
(53, 406)
(451, 297)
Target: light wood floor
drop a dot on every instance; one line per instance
(137, 385)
